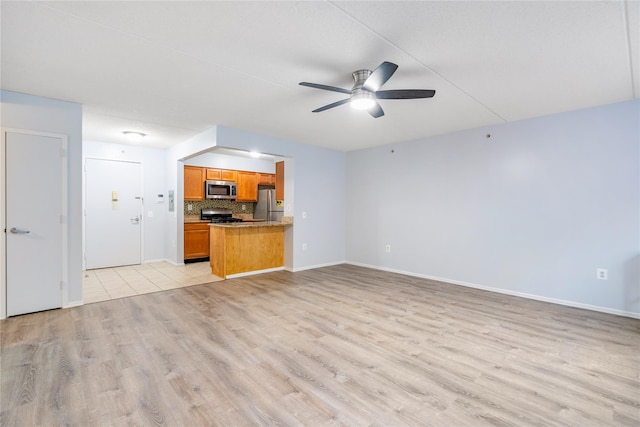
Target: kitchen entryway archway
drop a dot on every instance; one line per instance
(113, 213)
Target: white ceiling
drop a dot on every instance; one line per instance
(174, 69)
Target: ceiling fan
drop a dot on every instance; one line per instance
(366, 90)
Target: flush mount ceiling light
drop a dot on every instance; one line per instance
(134, 136)
(254, 154)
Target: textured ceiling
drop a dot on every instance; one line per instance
(174, 69)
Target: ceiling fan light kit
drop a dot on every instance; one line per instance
(362, 99)
(366, 90)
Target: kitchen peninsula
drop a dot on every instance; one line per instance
(245, 247)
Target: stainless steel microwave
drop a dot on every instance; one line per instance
(220, 190)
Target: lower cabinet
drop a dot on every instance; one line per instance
(196, 240)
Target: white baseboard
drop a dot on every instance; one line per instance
(505, 291)
(251, 273)
(289, 269)
(311, 267)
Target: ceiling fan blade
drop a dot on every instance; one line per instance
(325, 87)
(335, 104)
(379, 76)
(376, 111)
(405, 94)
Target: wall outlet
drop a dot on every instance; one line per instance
(304, 215)
(189, 207)
(304, 247)
(387, 249)
(244, 207)
(602, 274)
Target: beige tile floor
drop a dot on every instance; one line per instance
(119, 282)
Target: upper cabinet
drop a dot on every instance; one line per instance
(247, 186)
(266, 179)
(194, 183)
(279, 180)
(222, 175)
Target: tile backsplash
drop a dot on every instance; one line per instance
(236, 207)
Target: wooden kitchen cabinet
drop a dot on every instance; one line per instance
(222, 175)
(194, 183)
(279, 180)
(247, 187)
(266, 179)
(196, 240)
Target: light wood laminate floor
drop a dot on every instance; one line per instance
(339, 345)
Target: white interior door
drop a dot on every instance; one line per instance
(35, 214)
(113, 213)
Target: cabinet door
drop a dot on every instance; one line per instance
(266, 178)
(196, 240)
(222, 175)
(280, 180)
(214, 174)
(247, 187)
(227, 175)
(193, 183)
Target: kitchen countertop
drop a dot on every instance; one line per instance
(248, 224)
(194, 221)
(191, 219)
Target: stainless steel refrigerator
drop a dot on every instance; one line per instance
(266, 207)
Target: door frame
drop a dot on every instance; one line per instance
(64, 220)
(84, 205)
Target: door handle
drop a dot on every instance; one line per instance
(15, 230)
(135, 220)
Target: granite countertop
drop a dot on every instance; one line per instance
(249, 224)
(190, 219)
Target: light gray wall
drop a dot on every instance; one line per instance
(20, 111)
(533, 210)
(154, 183)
